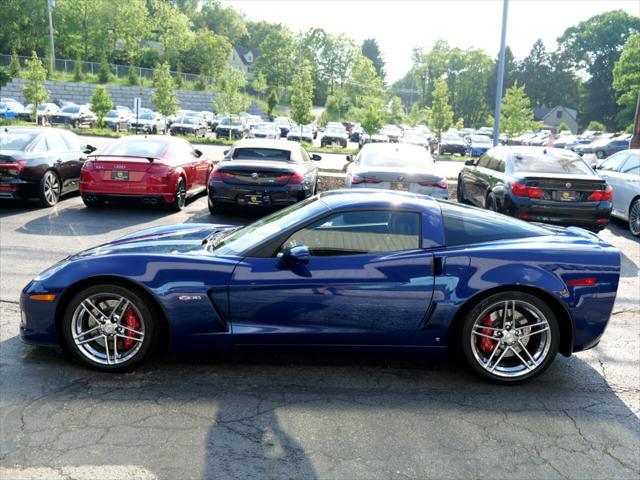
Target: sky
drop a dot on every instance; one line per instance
(401, 25)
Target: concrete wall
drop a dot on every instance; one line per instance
(81, 93)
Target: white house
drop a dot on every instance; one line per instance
(552, 117)
(243, 58)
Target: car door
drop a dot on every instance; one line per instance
(474, 188)
(609, 171)
(367, 282)
(65, 162)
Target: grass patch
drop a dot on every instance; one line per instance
(16, 123)
(209, 141)
(310, 148)
(451, 158)
(98, 132)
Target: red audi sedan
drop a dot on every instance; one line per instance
(154, 169)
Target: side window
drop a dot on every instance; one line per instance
(613, 163)
(496, 163)
(484, 160)
(40, 146)
(72, 141)
(353, 233)
(56, 143)
(632, 165)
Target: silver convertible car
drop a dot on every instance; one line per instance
(396, 166)
(622, 172)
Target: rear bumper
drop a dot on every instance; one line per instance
(99, 191)
(17, 189)
(591, 216)
(266, 196)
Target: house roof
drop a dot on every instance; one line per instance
(242, 53)
(540, 113)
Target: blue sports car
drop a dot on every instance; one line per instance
(343, 269)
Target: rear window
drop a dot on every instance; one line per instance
(550, 164)
(261, 154)
(465, 225)
(16, 140)
(397, 157)
(136, 148)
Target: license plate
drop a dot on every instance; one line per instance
(567, 196)
(400, 186)
(258, 199)
(119, 175)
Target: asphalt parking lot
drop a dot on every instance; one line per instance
(269, 415)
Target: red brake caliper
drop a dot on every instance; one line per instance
(131, 321)
(486, 344)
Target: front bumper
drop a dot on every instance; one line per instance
(461, 149)
(38, 318)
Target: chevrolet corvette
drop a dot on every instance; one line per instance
(370, 269)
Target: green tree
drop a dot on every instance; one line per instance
(164, 96)
(395, 111)
(593, 46)
(363, 84)
(337, 57)
(133, 76)
(34, 90)
(170, 27)
(277, 62)
(272, 102)
(419, 115)
(441, 112)
(460, 124)
(229, 98)
(371, 50)
(5, 78)
(372, 118)
(516, 115)
(101, 104)
(178, 80)
(23, 25)
(259, 84)
(207, 53)
(78, 74)
(302, 96)
(626, 79)
(563, 127)
(14, 68)
(104, 74)
(596, 126)
(225, 21)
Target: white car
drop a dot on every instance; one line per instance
(396, 166)
(295, 135)
(265, 130)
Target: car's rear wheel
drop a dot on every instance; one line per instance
(180, 197)
(460, 191)
(491, 202)
(49, 189)
(109, 327)
(634, 217)
(216, 208)
(510, 337)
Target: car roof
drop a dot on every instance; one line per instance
(34, 129)
(533, 151)
(266, 143)
(347, 199)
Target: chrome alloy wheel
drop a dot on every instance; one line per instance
(107, 328)
(634, 218)
(51, 188)
(510, 338)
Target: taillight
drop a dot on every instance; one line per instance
(158, 168)
(522, 190)
(19, 166)
(605, 195)
(220, 175)
(442, 183)
(357, 179)
(295, 179)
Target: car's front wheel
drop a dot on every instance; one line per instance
(109, 327)
(634, 217)
(180, 197)
(510, 337)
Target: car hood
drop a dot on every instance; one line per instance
(171, 239)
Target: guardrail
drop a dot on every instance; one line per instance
(69, 66)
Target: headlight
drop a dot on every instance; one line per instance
(51, 271)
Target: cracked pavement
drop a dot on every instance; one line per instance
(267, 415)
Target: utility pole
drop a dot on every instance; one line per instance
(50, 5)
(496, 125)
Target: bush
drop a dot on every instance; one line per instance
(563, 127)
(104, 75)
(630, 128)
(101, 104)
(133, 77)
(178, 78)
(78, 73)
(14, 68)
(596, 126)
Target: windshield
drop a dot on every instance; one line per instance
(480, 139)
(551, 164)
(264, 126)
(334, 131)
(242, 241)
(452, 137)
(71, 109)
(136, 148)
(188, 120)
(13, 140)
(112, 113)
(146, 116)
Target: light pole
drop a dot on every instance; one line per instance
(50, 5)
(496, 124)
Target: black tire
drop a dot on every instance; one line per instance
(92, 203)
(634, 217)
(146, 315)
(466, 340)
(49, 189)
(116, 127)
(180, 197)
(460, 191)
(155, 130)
(75, 124)
(491, 202)
(215, 208)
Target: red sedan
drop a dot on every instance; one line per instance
(157, 170)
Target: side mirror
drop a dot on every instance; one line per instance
(299, 254)
(197, 153)
(225, 153)
(316, 157)
(470, 163)
(349, 158)
(89, 149)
